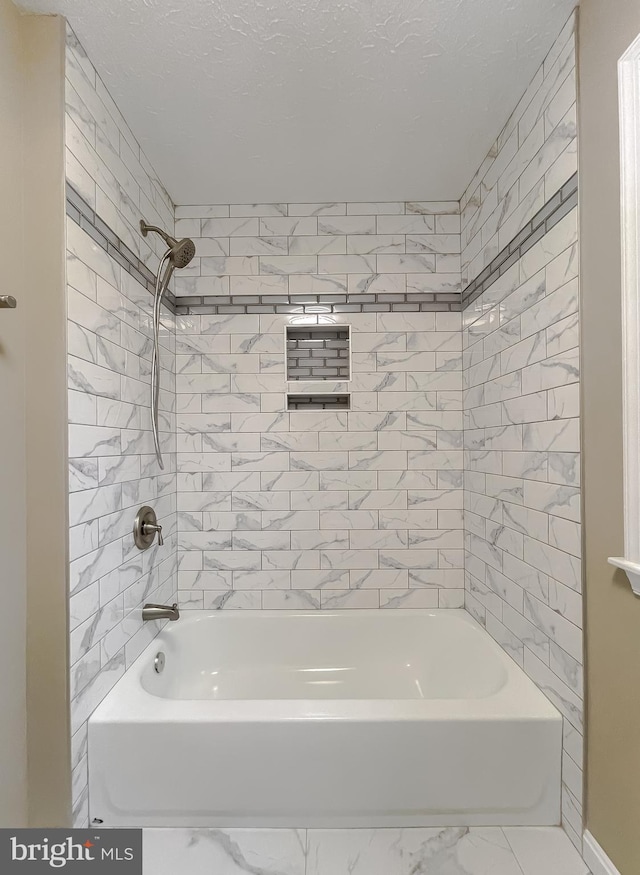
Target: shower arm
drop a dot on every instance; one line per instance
(168, 239)
(162, 282)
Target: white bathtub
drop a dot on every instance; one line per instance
(345, 719)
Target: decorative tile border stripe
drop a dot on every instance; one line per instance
(551, 213)
(85, 216)
(411, 302)
(544, 220)
(319, 304)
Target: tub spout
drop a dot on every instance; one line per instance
(160, 612)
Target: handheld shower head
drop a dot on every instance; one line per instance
(178, 254)
(181, 251)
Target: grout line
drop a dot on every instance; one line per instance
(511, 848)
(305, 849)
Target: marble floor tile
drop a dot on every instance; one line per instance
(434, 851)
(545, 851)
(224, 851)
(453, 851)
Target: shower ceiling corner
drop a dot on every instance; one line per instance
(308, 102)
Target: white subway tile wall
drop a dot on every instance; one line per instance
(337, 248)
(287, 509)
(521, 407)
(330, 509)
(112, 467)
(535, 154)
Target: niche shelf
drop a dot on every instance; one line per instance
(321, 401)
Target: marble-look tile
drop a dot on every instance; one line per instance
(455, 851)
(413, 598)
(522, 502)
(353, 600)
(292, 600)
(299, 559)
(109, 316)
(324, 540)
(224, 852)
(544, 851)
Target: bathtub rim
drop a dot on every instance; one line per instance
(129, 702)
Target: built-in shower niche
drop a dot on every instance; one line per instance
(318, 352)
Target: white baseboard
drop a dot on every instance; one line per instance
(595, 857)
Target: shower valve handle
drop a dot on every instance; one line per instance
(8, 302)
(148, 528)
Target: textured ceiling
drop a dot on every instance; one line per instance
(314, 100)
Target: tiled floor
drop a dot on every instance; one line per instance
(453, 851)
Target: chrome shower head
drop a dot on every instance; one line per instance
(181, 251)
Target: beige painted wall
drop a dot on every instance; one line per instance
(34, 750)
(612, 611)
(48, 732)
(13, 801)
